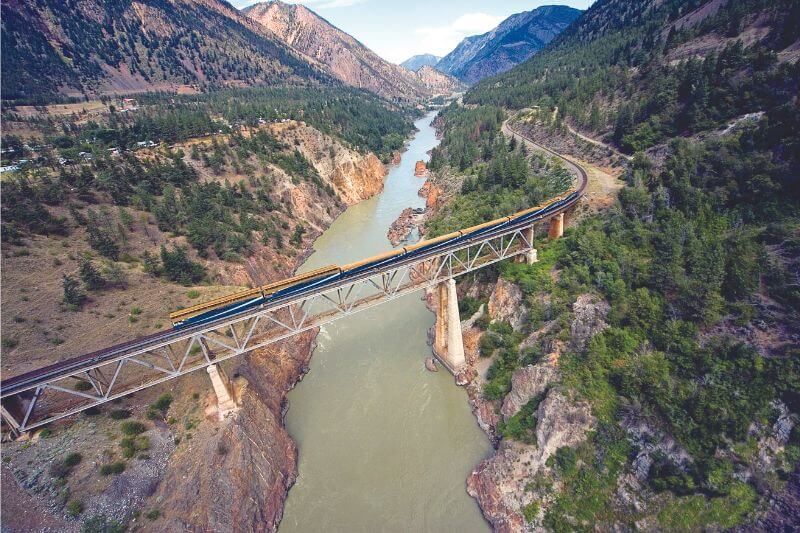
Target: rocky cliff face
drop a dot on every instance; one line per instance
(500, 484)
(353, 176)
(509, 44)
(340, 54)
(437, 81)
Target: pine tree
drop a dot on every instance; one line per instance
(91, 277)
(73, 295)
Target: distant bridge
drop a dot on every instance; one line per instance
(50, 393)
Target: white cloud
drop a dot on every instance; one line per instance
(440, 40)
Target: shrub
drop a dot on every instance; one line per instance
(114, 468)
(468, 306)
(192, 294)
(83, 385)
(131, 445)
(567, 460)
(9, 342)
(153, 515)
(46, 432)
(163, 402)
(73, 459)
(74, 508)
(132, 427)
(531, 511)
(101, 524)
(59, 469)
(119, 414)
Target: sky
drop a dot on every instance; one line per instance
(399, 29)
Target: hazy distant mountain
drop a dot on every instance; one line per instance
(340, 54)
(516, 39)
(419, 61)
(96, 46)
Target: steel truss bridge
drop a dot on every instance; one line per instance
(51, 393)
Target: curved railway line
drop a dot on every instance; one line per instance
(19, 394)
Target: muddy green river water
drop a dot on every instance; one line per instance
(384, 444)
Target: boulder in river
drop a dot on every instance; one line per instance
(430, 364)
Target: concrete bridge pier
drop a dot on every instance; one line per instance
(556, 226)
(223, 389)
(448, 343)
(531, 256)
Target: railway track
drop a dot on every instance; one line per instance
(19, 394)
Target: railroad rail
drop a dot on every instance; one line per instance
(68, 387)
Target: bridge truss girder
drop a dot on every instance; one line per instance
(144, 367)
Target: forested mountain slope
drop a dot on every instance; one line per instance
(642, 72)
(645, 373)
(513, 41)
(72, 47)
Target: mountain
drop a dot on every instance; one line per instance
(340, 54)
(418, 61)
(95, 46)
(513, 41)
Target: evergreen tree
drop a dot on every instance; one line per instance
(73, 295)
(91, 277)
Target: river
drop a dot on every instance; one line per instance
(384, 444)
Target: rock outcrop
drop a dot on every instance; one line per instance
(527, 383)
(420, 169)
(499, 483)
(401, 229)
(589, 320)
(432, 193)
(353, 176)
(235, 474)
(505, 304)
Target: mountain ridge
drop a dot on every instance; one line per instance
(418, 61)
(513, 41)
(343, 56)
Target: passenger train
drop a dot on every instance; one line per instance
(233, 304)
